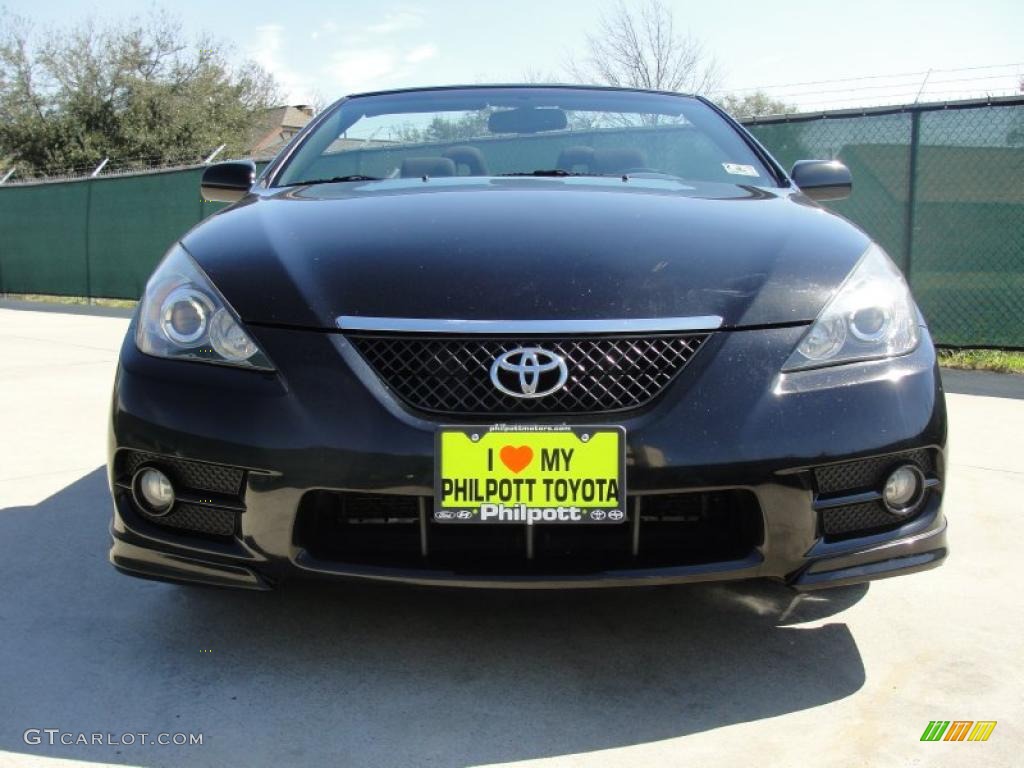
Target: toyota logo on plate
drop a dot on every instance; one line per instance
(529, 372)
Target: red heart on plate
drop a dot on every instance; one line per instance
(516, 459)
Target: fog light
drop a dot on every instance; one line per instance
(154, 492)
(903, 490)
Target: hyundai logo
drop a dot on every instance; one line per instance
(529, 372)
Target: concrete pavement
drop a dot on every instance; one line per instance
(370, 676)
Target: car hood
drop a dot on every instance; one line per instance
(524, 248)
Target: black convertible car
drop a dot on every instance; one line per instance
(526, 336)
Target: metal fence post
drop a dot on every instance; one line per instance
(3, 291)
(908, 235)
(88, 228)
(3, 288)
(213, 154)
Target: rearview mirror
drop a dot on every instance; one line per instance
(228, 182)
(527, 120)
(822, 179)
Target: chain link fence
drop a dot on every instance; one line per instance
(940, 187)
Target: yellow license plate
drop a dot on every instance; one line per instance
(530, 474)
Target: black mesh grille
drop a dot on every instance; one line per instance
(675, 529)
(837, 481)
(451, 375)
(867, 474)
(377, 507)
(858, 518)
(192, 517)
(205, 492)
(196, 475)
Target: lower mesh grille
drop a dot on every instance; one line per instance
(386, 530)
(864, 518)
(368, 508)
(834, 482)
(868, 474)
(210, 496)
(197, 475)
(209, 520)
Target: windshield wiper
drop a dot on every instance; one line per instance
(549, 172)
(333, 179)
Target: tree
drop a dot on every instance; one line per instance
(536, 76)
(136, 92)
(642, 48)
(756, 104)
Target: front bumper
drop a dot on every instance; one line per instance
(729, 421)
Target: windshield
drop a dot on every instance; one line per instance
(523, 131)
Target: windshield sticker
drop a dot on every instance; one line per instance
(740, 170)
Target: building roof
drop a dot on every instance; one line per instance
(277, 127)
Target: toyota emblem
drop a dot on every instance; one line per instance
(529, 372)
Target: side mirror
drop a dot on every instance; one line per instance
(822, 179)
(228, 182)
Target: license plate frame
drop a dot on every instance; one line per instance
(523, 503)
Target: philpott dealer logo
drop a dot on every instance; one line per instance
(958, 730)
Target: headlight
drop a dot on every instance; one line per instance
(871, 316)
(183, 316)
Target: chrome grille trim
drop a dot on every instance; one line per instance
(506, 327)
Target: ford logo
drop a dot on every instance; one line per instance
(529, 372)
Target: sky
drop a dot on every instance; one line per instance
(849, 52)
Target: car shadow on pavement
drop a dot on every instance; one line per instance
(323, 673)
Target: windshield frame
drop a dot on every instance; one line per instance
(270, 178)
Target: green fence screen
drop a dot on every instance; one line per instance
(98, 238)
(941, 188)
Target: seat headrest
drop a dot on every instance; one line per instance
(471, 157)
(427, 166)
(571, 157)
(617, 160)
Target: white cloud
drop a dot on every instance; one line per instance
(268, 39)
(267, 50)
(362, 69)
(397, 21)
(330, 27)
(368, 69)
(420, 53)
(330, 60)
